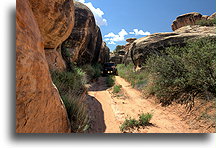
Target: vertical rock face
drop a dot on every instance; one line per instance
(104, 54)
(55, 19)
(187, 19)
(127, 58)
(39, 108)
(81, 44)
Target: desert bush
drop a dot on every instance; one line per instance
(206, 22)
(117, 88)
(182, 74)
(131, 123)
(110, 81)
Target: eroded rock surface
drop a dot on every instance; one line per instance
(85, 39)
(39, 108)
(55, 19)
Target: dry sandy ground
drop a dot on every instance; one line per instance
(108, 111)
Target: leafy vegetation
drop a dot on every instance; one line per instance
(110, 81)
(117, 89)
(131, 123)
(206, 22)
(180, 74)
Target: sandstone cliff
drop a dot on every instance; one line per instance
(39, 108)
(84, 43)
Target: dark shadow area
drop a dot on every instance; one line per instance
(12, 71)
(99, 85)
(97, 123)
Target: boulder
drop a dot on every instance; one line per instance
(39, 108)
(81, 44)
(155, 43)
(187, 19)
(55, 19)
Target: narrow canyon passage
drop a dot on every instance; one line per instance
(108, 111)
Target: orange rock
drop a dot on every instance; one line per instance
(55, 19)
(39, 108)
(55, 60)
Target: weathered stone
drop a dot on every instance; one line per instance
(186, 19)
(81, 44)
(155, 43)
(55, 60)
(39, 108)
(55, 19)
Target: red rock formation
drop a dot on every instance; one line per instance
(55, 19)
(39, 108)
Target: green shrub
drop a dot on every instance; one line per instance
(117, 89)
(110, 81)
(206, 22)
(144, 119)
(129, 124)
(181, 74)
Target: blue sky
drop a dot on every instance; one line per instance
(122, 19)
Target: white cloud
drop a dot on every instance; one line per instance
(111, 43)
(139, 32)
(98, 13)
(112, 38)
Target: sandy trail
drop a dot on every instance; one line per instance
(109, 111)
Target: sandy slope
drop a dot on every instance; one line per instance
(108, 111)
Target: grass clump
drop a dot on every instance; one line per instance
(117, 89)
(182, 74)
(137, 79)
(211, 22)
(131, 123)
(71, 86)
(92, 71)
(110, 81)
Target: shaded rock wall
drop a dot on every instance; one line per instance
(83, 43)
(104, 54)
(39, 108)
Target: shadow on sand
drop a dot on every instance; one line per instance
(96, 113)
